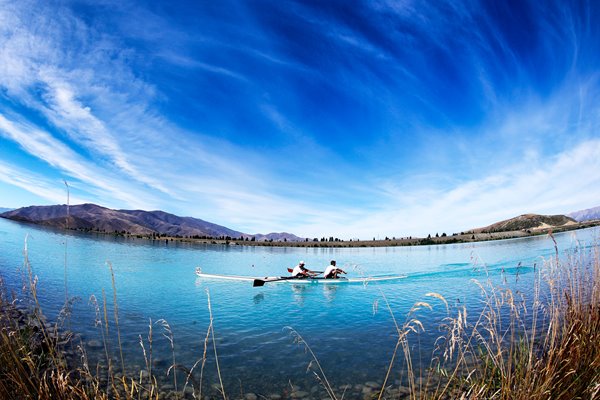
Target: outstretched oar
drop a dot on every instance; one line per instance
(261, 282)
(290, 270)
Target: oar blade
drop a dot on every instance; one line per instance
(258, 282)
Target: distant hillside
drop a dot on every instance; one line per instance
(3, 210)
(96, 218)
(527, 221)
(586, 215)
(276, 237)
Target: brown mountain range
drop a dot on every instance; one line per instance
(137, 222)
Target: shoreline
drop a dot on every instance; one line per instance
(463, 237)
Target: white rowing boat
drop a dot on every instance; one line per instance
(262, 280)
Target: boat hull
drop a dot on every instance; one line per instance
(287, 279)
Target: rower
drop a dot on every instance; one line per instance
(332, 271)
(300, 271)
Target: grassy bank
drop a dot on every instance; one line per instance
(543, 344)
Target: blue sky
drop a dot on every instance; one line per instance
(341, 118)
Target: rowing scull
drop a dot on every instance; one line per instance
(277, 279)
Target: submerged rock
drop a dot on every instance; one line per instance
(403, 390)
(367, 390)
(299, 394)
(94, 344)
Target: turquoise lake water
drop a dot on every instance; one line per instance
(348, 326)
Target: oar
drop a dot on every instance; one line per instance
(290, 270)
(261, 282)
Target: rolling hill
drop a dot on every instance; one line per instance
(527, 222)
(138, 222)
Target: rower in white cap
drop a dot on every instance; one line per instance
(300, 271)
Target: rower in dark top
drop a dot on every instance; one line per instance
(332, 271)
(300, 271)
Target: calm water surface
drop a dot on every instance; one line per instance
(348, 326)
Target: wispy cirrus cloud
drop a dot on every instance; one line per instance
(107, 114)
(36, 184)
(545, 187)
(45, 77)
(380, 117)
(61, 157)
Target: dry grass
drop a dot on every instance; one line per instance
(34, 361)
(540, 345)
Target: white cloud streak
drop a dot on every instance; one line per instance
(115, 127)
(45, 147)
(36, 184)
(92, 118)
(557, 185)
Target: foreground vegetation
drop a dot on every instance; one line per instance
(544, 344)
